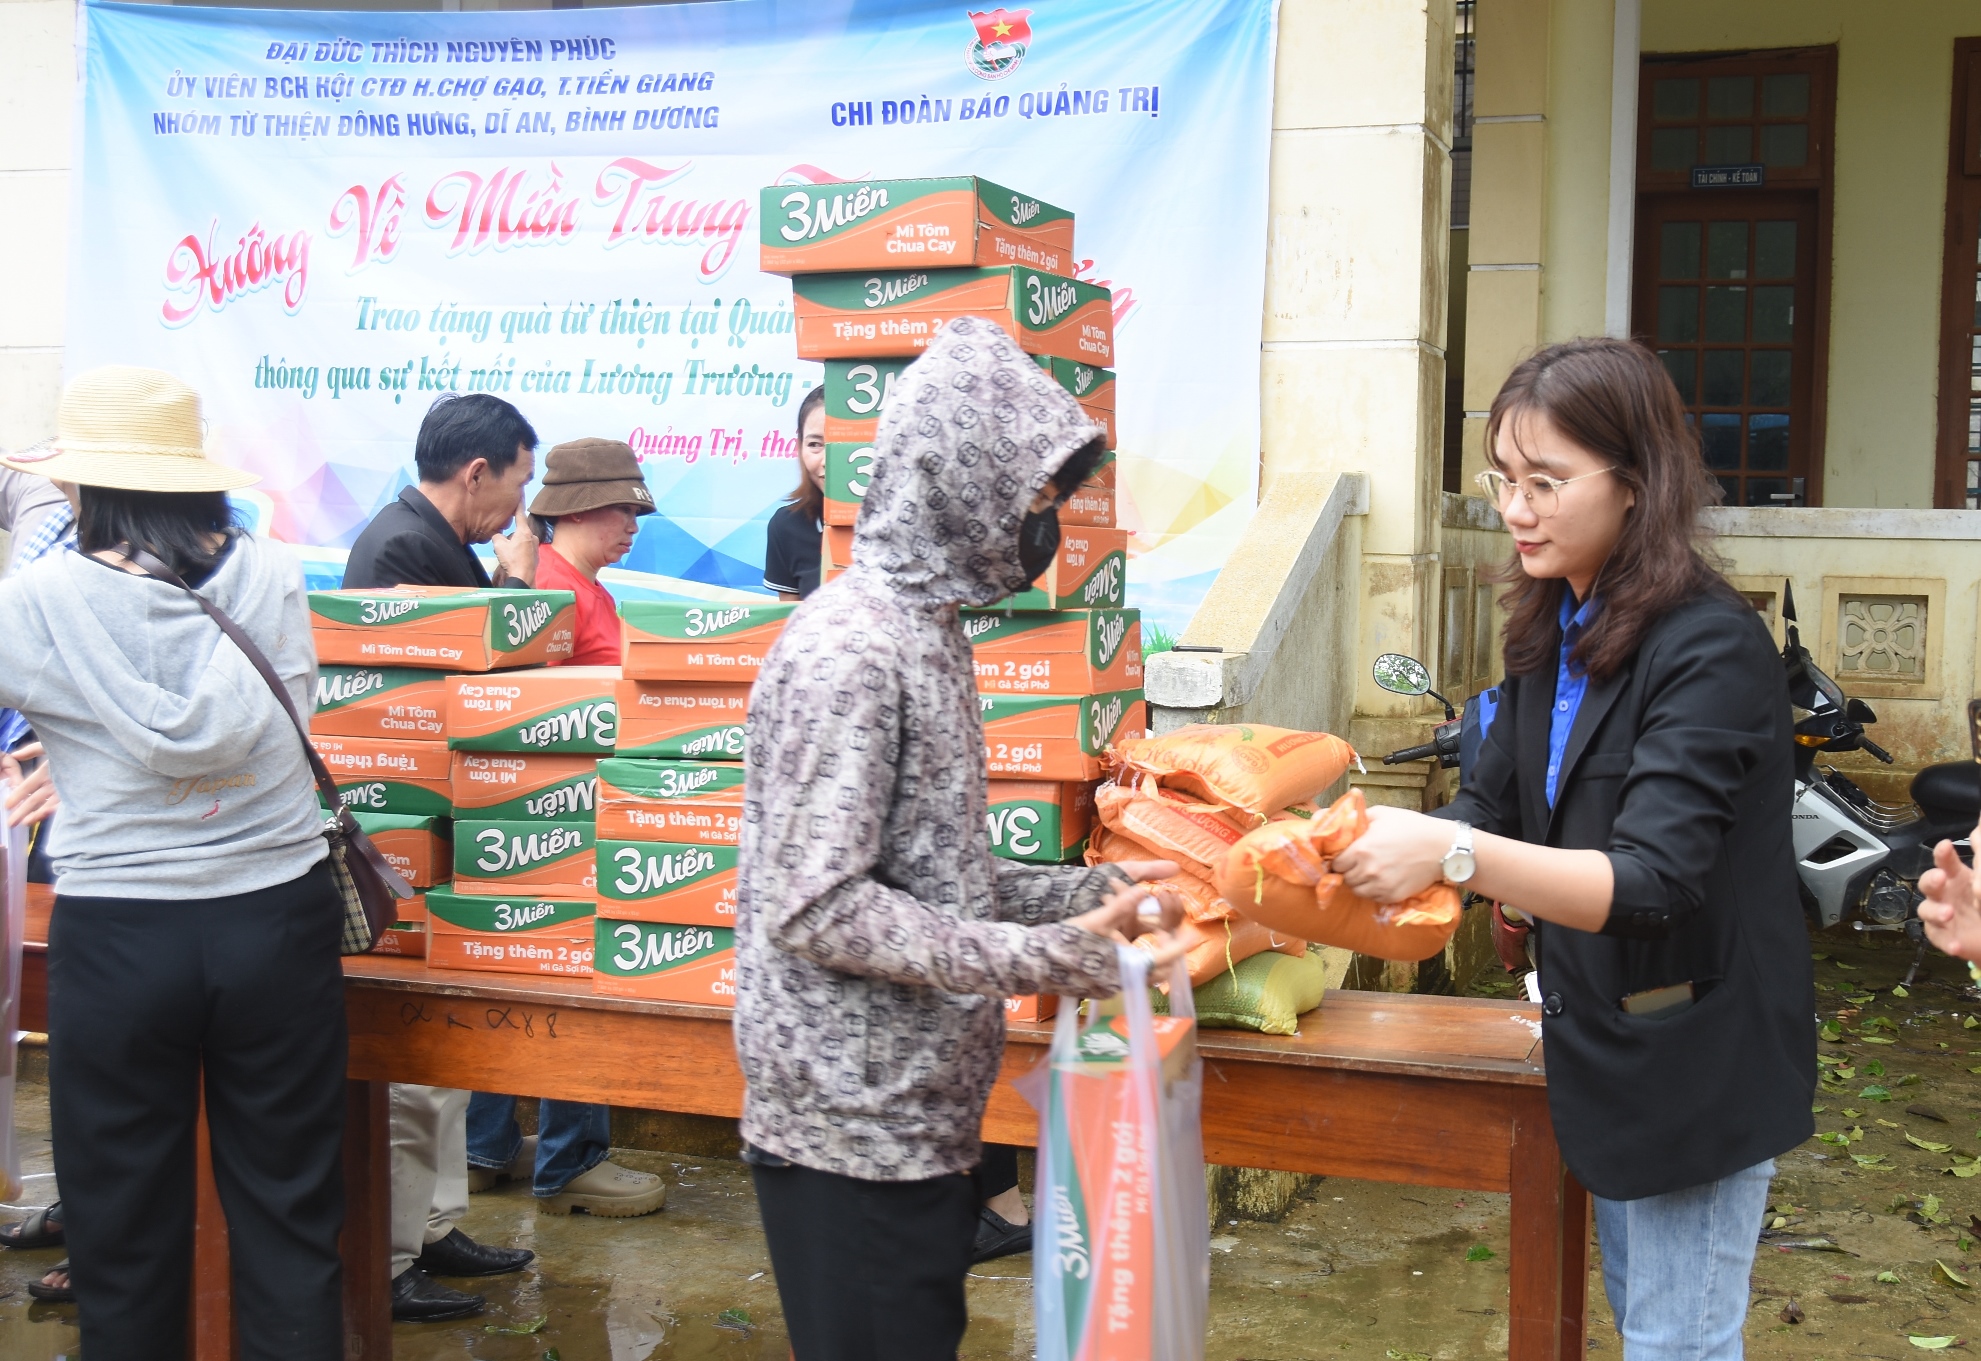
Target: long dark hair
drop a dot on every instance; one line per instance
(809, 500)
(172, 526)
(1614, 399)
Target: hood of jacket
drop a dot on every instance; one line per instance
(975, 430)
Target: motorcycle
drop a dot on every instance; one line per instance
(1856, 856)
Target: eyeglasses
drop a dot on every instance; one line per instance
(1543, 493)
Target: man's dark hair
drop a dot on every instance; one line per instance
(170, 525)
(459, 429)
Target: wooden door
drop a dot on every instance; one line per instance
(1957, 484)
(1727, 285)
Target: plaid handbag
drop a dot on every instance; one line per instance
(370, 888)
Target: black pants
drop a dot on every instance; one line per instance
(143, 997)
(869, 1270)
(998, 1171)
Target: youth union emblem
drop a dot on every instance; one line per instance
(1003, 36)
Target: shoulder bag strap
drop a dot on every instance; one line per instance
(325, 784)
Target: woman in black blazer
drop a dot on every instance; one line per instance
(1633, 798)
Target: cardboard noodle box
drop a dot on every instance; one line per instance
(1092, 388)
(856, 392)
(388, 775)
(380, 701)
(1056, 737)
(665, 640)
(893, 224)
(1042, 821)
(567, 709)
(406, 939)
(1033, 1007)
(848, 470)
(698, 802)
(666, 961)
(861, 316)
(508, 786)
(524, 934)
(444, 628)
(417, 847)
(678, 721)
(413, 910)
(1055, 652)
(496, 858)
(1102, 1183)
(660, 881)
(1089, 571)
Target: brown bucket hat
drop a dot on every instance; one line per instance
(587, 474)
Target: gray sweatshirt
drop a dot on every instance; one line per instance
(180, 775)
(876, 935)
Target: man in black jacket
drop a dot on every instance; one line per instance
(475, 453)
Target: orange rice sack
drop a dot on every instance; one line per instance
(1200, 900)
(1240, 765)
(1109, 847)
(1213, 947)
(1276, 876)
(1182, 832)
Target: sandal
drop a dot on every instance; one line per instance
(42, 1229)
(54, 1294)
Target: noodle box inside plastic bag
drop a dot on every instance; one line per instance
(1121, 1241)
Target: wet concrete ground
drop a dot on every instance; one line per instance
(1354, 1270)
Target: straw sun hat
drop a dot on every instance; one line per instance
(133, 429)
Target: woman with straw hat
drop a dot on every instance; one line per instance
(196, 929)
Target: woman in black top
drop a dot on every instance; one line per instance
(792, 539)
(1633, 796)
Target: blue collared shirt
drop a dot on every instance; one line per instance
(1571, 683)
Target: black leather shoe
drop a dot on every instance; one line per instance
(999, 1237)
(418, 1298)
(459, 1255)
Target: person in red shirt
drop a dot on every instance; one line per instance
(587, 512)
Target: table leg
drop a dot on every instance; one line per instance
(366, 1244)
(211, 1319)
(1548, 1276)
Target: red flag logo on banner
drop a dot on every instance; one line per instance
(1003, 35)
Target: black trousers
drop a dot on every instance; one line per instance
(998, 1171)
(869, 1270)
(145, 996)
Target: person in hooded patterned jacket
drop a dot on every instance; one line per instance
(876, 935)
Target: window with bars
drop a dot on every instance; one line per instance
(1729, 287)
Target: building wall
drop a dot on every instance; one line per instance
(1541, 184)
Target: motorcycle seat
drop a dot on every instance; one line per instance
(1949, 792)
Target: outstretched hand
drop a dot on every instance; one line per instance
(1951, 913)
(1124, 916)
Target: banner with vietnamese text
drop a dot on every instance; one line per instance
(322, 220)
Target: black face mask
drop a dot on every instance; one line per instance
(1038, 541)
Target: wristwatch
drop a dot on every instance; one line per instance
(1459, 863)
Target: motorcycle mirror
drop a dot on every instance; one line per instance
(1401, 675)
(1860, 712)
(1788, 600)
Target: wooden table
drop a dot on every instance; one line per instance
(1434, 1091)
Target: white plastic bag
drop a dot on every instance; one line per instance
(1121, 1236)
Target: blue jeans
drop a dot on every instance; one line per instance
(1675, 1266)
(573, 1137)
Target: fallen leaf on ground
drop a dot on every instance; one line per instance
(1876, 1039)
(1952, 1275)
(1888, 1278)
(1875, 1093)
(1970, 1023)
(1791, 1312)
(1869, 1160)
(1932, 1344)
(1478, 1252)
(1898, 990)
(535, 1325)
(1927, 1144)
(1394, 1355)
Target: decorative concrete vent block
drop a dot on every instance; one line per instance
(1882, 636)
